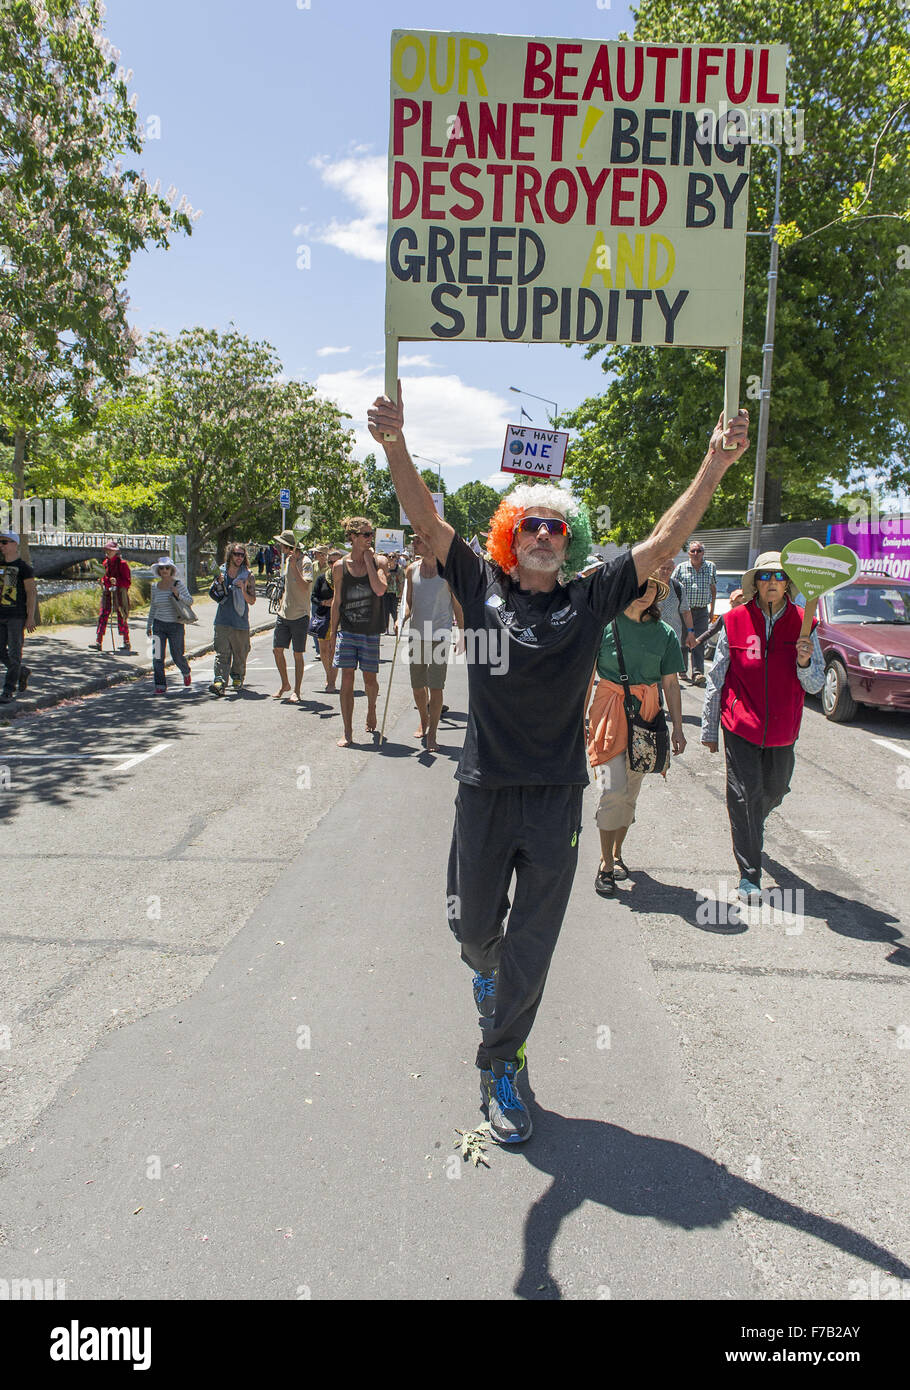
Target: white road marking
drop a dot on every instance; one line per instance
(894, 747)
(131, 761)
(140, 758)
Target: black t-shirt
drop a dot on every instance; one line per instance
(12, 588)
(322, 590)
(530, 657)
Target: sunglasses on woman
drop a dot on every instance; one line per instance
(765, 575)
(534, 523)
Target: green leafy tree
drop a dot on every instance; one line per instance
(71, 217)
(470, 508)
(840, 401)
(381, 501)
(215, 433)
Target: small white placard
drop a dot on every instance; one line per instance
(535, 453)
(387, 540)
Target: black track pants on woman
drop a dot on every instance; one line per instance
(758, 779)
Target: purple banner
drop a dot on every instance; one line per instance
(882, 544)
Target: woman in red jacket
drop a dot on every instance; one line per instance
(762, 669)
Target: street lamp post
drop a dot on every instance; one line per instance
(761, 443)
(538, 398)
(423, 458)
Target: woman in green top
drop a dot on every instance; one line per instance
(652, 656)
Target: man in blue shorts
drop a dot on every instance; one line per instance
(358, 610)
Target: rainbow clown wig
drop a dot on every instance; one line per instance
(525, 498)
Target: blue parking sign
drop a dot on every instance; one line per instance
(284, 499)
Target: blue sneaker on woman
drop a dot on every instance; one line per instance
(748, 891)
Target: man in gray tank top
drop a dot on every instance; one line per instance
(432, 608)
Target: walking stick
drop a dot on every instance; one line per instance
(391, 674)
(112, 618)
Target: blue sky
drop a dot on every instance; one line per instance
(274, 122)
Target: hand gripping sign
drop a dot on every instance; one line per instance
(547, 190)
(816, 570)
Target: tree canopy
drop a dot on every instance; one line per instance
(840, 397)
(215, 432)
(71, 216)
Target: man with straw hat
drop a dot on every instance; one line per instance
(756, 688)
(522, 772)
(293, 624)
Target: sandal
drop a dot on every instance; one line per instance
(620, 870)
(604, 884)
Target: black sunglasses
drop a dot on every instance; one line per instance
(765, 575)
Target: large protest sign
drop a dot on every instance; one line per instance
(547, 190)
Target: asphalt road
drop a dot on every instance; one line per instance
(238, 1037)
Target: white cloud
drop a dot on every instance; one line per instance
(419, 359)
(445, 419)
(363, 180)
(499, 480)
(330, 351)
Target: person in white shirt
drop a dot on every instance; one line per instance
(432, 609)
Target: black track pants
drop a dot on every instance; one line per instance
(533, 833)
(758, 779)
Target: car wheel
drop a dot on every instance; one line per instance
(837, 702)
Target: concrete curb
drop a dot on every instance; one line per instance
(91, 687)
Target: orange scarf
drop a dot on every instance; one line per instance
(608, 729)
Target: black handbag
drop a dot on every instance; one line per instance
(319, 625)
(649, 739)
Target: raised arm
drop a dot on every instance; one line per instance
(681, 519)
(385, 417)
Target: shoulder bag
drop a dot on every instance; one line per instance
(186, 610)
(649, 739)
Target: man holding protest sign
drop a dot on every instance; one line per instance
(522, 771)
(763, 665)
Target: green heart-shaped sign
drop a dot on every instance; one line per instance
(816, 569)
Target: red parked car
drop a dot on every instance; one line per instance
(864, 634)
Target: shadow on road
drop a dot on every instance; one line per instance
(842, 913)
(638, 1175)
(846, 916)
(71, 758)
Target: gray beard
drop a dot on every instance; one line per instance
(543, 564)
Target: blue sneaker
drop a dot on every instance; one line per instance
(748, 891)
(510, 1122)
(485, 996)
